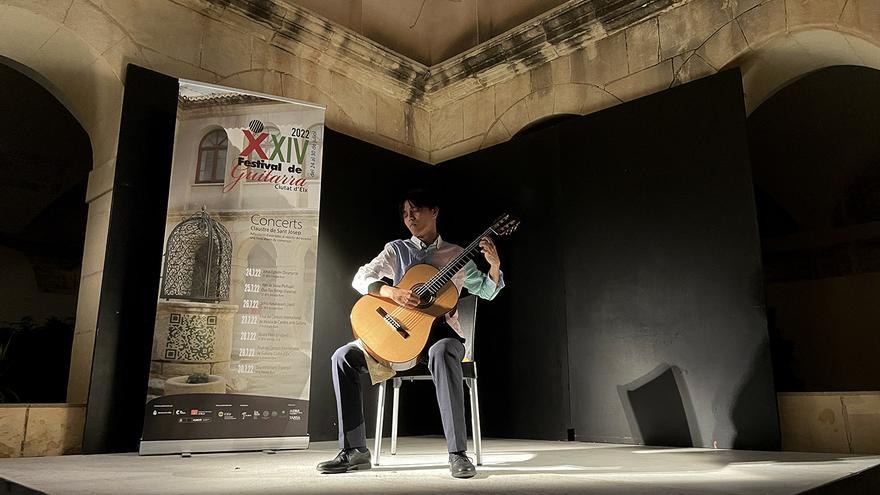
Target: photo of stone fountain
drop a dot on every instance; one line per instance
(192, 344)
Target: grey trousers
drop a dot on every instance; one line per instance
(444, 363)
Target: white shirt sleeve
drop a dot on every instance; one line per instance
(381, 267)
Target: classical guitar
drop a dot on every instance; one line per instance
(395, 335)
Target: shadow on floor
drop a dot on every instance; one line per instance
(10, 488)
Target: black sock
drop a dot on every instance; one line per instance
(361, 449)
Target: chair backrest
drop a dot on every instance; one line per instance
(467, 317)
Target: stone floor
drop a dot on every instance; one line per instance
(510, 466)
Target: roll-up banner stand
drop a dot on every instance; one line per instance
(231, 357)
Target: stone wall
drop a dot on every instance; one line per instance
(79, 50)
(589, 55)
(674, 45)
(34, 430)
(842, 422)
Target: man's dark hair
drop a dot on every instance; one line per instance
(420, 198)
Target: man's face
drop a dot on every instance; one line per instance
(419, 219)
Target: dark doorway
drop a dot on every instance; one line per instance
(45, 159)
(815, 153)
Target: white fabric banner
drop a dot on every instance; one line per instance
(231, 354)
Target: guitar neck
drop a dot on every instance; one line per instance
(447, 272)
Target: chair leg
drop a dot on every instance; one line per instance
(475, 420)
(380, 416)
(394, 412)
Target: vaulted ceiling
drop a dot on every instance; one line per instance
(428, 31)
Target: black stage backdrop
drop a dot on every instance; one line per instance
(520, 336)
(360, 188)
(634, 310)
(520, 345)
(634, 306)
(667, 333)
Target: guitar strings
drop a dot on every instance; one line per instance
(411, 317)
(439, 279)
(447, 272)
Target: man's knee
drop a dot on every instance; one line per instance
(448, 350)
(341, 356)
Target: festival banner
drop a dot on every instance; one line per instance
(231, 356)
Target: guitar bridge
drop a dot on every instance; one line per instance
(392, 322)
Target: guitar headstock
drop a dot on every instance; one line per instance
(505, 225)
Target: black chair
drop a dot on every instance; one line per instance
(467, 314)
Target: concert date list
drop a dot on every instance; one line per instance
(272, 343)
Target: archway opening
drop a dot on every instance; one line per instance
(815, 156)
(45, 159)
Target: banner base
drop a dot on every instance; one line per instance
(155, 447)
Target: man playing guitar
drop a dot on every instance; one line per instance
(445, 348)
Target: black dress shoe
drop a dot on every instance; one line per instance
(347, 460)
(460, 466)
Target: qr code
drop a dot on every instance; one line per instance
(190, 337)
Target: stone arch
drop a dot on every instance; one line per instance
(778, 59)
(813, 151)
(542, 123)
(71, 61)
(559, 99)
(778, 41)
(791, 55)
(816, 171)
(261, 254)
(761, 40)
(55, 45)
(47, 156)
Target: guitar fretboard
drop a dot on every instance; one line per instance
(446, 273)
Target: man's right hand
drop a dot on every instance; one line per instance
(403, 297)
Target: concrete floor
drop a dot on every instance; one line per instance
(510, 466)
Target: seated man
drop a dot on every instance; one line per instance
(445, 348)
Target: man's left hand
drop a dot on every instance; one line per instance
(487, 247)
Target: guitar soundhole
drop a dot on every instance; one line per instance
(426, 299)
